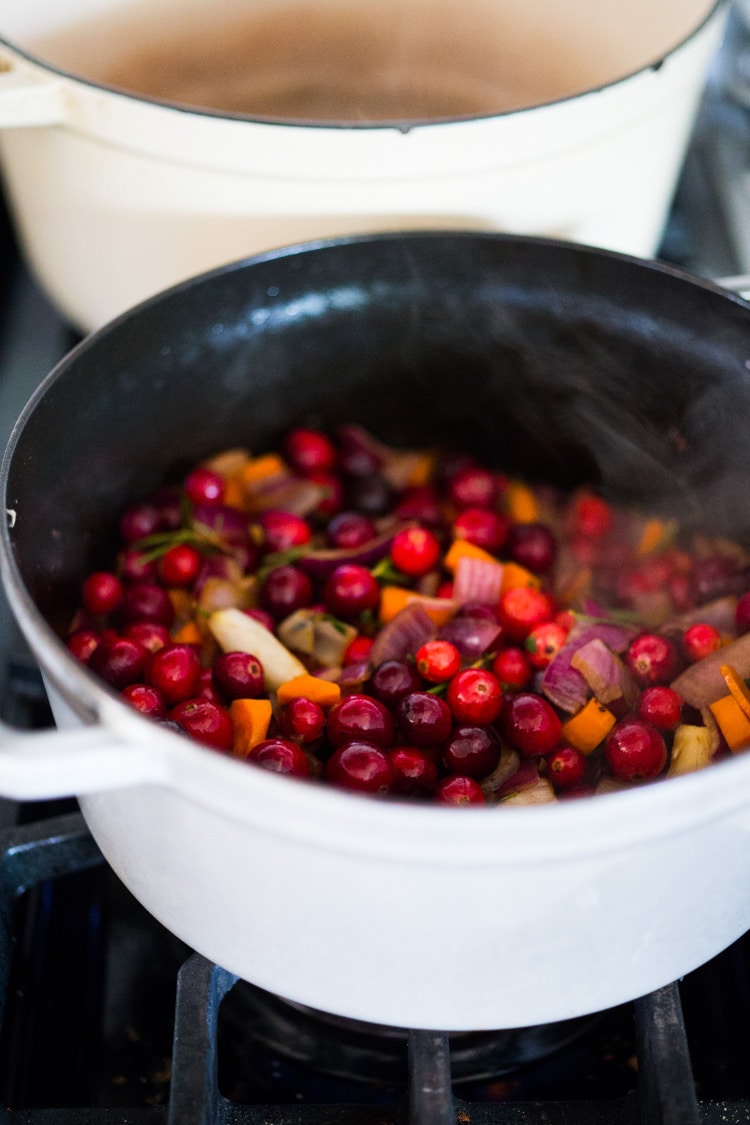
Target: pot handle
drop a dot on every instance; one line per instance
(26, 100)
(66, 763)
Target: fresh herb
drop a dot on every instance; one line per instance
(385, 571)
(280, 558)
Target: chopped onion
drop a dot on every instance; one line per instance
(403, 635)
(615, 637)
(472, 636)
(562, 684)
(477, 580)
(506, 767)
(702, 683)
(312, 633)
(319, 565)
(607, 676)
(526, 775)
(217, 566)
(229, 524)
(219, 593)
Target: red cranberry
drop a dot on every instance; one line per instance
(179, 565)
(262, 618)
(333, 493)
(700, 640)
(652, 659)
(309, 450)
(139, 521)
(544, 642)
(393, 680)
(360, 716)
(280, 756)
(566, 767)
(359, 650)
(742, 614)
(371, 494)
(83, 642)
(635, 751)
(459, 790)
(357, 460)
(471, 751)
(206, 722)
(206, 688)
(660, 706)
(593, 517)
(424, 719)
(351, 590)
(144, 601)
(414, 772)
(473, 487)
(512, 668)
(530, 723)
(475, 696)
(283, 530)
(167, 500)
(349, 530)
(716, 577)
(286, 589)
(438, 661)
(482, 527)
(238, 675)
(302, 719)
(134, 566)
(419, 502)
(522, 608)
(533, 546)
(175, 671)
(102, 592)
(149, 634)
(415, 551)
(145, 699)
(361, 766)
(203, 486)
(119, 661)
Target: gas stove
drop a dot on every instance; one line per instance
(107, 1017)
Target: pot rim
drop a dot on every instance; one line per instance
(401, 126)
(322, 815)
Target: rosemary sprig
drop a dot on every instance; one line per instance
(385, 571)
(280, 558)
(153, 547)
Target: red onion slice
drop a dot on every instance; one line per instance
(228, 523)
(607, 676)
(477, 580)
(403, 635)
(472, 636)
(319, 565)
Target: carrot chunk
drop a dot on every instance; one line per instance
(462, 549)
(395, 598)
(189, 634)
(586, 730)
(322, 692)
(733, 722)
(521, 504)
(737, 687)
(515, 575)
(250, 719)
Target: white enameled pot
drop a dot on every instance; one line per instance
(116, 197)
(395, 913)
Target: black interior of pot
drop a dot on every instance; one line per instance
(548, 360)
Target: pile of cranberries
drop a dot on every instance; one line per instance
(473, 584)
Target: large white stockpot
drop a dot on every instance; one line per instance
(116, 197)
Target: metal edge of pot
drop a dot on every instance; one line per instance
(333, 818)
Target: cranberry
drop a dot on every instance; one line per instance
(175, 670)
(145, 699)
(593, 517)
(167, 500)
(566, 767)
(206, 688)
(83, 642)
(203, 486)
(419, 502)
(445, 590)
(438, 661)
(700, 640)
(283, 530)
(635, 750)
(286, 589)
(680, 591)
(393, 680)
(544, 642)
(652, 659)
(458, 790)
(371, 494)
(414, 772)
(715, 577)
(139, 522)
(238, 675)
(359, 650)
(262, 618)
(357, 460)
(424, 719)
(415, 551)
(206, 722)
(145, 601)
(309, 450)
(149, 634)
(472, 487)
(102, 592)
(742, 614)
(472, 751)
(360, 716)
(512, 668)
(361, 766)
(482, 527)
(280, 756)
(351, 590)
(135, 566)
(522, 608)
(332, 500)
(302, 719)
(475, 696)
(349, 530)
(118, 661)
(660, 706)
(179, 565)
(530, 723)
(533, 546)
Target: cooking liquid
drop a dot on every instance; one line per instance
(349, 61)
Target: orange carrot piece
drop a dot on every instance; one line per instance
(462, 549)
(424, 467)
(228, 462)
(515, 575)
(733, 722)
(521, 503)
(269, 465)
(234, 492)
(322, 692)
(586, 730)
(652, 537)
(181, 601)
(395, 598)
(250, 719)
(737, 687)
(188, 634)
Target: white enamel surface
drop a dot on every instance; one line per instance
(118, 198)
